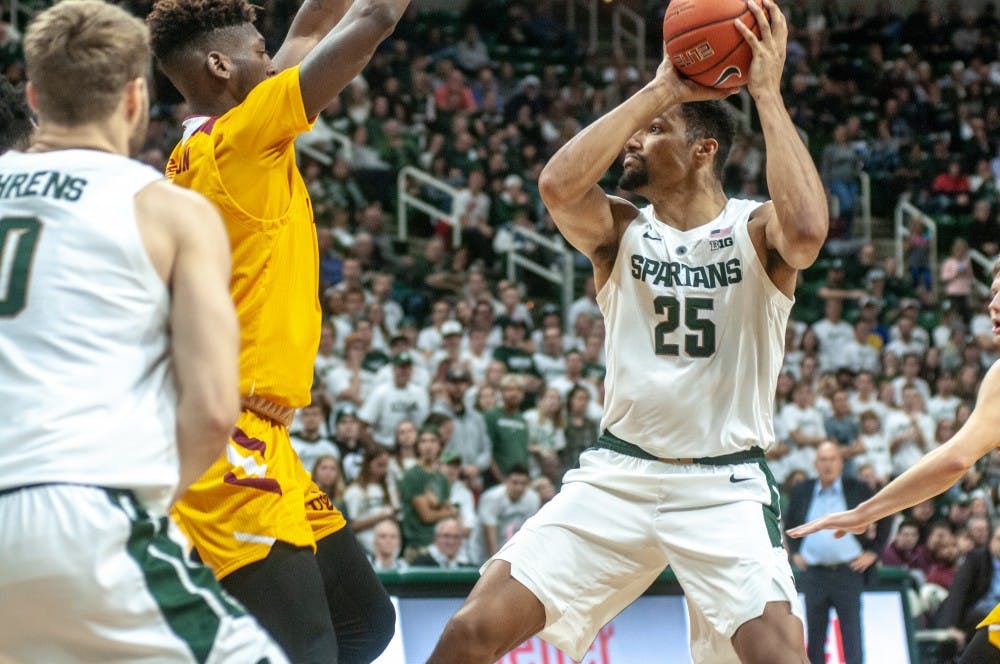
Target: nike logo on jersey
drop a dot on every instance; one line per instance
(735, 480)
(652, 237)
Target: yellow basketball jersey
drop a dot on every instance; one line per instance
(992, 620)
(244, 162)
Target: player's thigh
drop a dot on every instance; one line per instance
(729, 560)
(88, 576)
(253, 496)
(585, 556)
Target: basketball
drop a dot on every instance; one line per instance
(703, 43)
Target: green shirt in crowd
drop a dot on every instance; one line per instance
(415, 482)
(509, 435)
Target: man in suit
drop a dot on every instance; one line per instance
(833, 570)
(974, 592)
(443, 553)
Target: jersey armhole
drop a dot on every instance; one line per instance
(743, 233)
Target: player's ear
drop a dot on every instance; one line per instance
(136, 97)
(31, 95)
(219, 65)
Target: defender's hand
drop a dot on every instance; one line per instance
(842, 522)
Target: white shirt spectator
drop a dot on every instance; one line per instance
(909, 451)
(858, 356)
(421, 377)
(471, 552)
(833, 336)
(311, 450)
(902, 348)
(548, 366)
(900, 382)
(876, 453)
(942, 408)
(362, 503)
(496, 509)
(809, 422)
(389, 405)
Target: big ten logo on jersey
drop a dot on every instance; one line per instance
(696, 53)
(536, 651)
(175, 167)
(715, 245)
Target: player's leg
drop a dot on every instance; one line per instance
(724, 545)
(246, 518)
(285, 593)
(569, 570)
(126, 593)
(774, 636)
(980, 650)
(499, 614)
(363, 616)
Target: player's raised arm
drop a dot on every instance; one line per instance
(312, 22)
(933, 474)
(205, 336)
(585, 215)
(797, 218)
(343, 53)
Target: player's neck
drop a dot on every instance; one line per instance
(212, 106)
(49, 137)
(683, 210)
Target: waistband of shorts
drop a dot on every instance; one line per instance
(609, 441)
(284, 415)
(34, 485)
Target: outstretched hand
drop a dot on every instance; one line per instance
(843, 522)
(768, 50)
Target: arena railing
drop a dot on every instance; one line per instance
(905, 213)
(590, 9)
(986, 263)
(405, 200)
(634, 34)
(866, 206)
(562, 276)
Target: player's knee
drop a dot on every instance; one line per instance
(382, 625)
(471, 635)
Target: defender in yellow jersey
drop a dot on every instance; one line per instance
(271, 536)
(936, 473)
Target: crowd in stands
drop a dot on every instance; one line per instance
(448, 402)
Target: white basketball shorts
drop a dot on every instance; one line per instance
(88, 576)
(619, 521)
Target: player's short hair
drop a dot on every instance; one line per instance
(15, 117)
(79, 55)
(996, 269)
(711, 119)
(175, 25)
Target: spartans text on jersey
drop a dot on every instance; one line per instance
(669, 273)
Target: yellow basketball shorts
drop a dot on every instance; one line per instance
(257, 493)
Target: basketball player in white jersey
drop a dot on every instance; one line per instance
(695, 290)
(118, 358)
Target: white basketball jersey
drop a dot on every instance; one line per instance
(86, 386)
(695, 338)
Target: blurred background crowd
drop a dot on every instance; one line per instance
(450, 399)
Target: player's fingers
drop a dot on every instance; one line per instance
(762, 23)
(777, 21)
(747, 33)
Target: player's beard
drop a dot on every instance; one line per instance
(634, 177)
